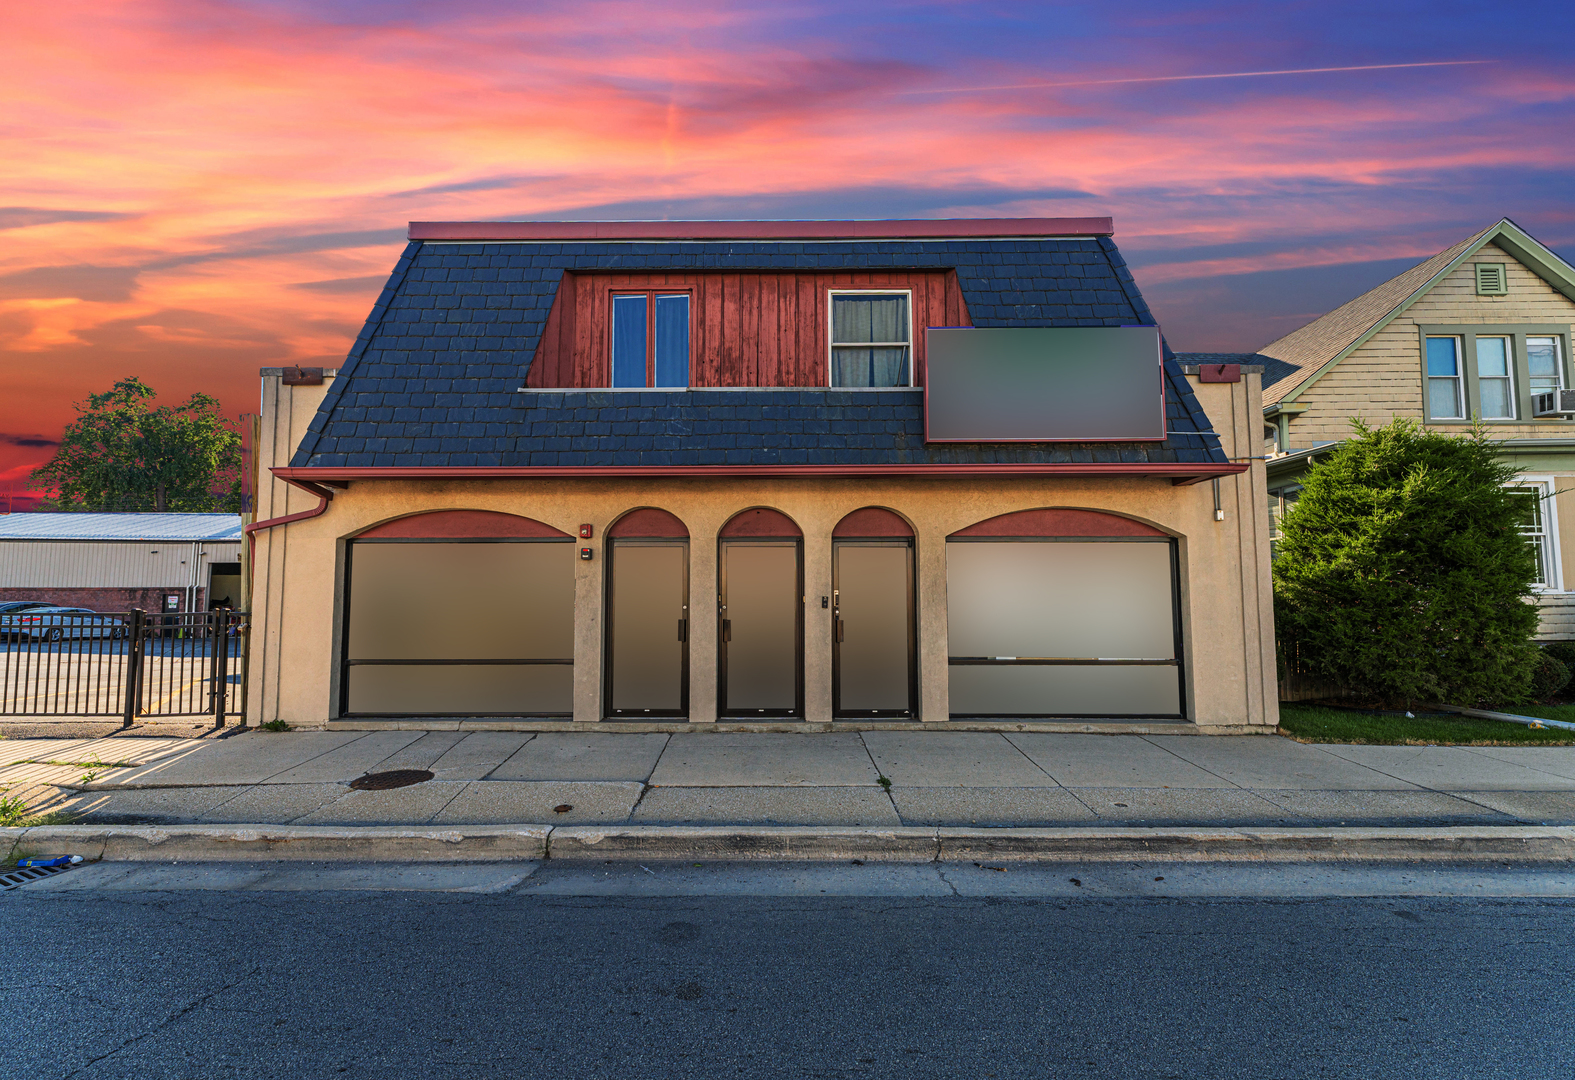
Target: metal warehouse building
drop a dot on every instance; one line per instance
(116, 562)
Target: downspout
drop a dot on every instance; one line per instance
(324, 497)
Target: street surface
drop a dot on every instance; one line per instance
(1043, 970)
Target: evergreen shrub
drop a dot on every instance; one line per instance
(1562, 651)
(1402, 573)
(1549, 676)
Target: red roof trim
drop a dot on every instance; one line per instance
(760, 230)
(1181, 473)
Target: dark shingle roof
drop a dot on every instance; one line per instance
(432, 378)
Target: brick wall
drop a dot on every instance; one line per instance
(104, 599)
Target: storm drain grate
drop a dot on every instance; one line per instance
(383, 781)
(26, 875)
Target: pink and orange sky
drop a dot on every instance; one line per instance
(193, 189)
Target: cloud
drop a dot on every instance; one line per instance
(359, 285)
(273, 150)
(84, 282)
(21, 217)
(28, 442)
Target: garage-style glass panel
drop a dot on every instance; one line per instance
(1062, 628)
(760, 609)
(467, 690)
(648, 628)
(1029, 690)
(425, 617)
(873, 628)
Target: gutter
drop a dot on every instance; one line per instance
(309, 477)
(324, 497)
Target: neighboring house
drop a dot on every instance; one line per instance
(116, 562)
(689, 472)
(1479, 331)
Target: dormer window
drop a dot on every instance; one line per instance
(871, 339)
(650, 340)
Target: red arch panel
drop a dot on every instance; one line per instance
(1059, 522)
(872, 521)
(461, 525)
(649, 522)
(761, 522)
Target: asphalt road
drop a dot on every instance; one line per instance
(548, 981)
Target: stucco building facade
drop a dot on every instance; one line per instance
(676, 475)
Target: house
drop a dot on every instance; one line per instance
(116, 562)
(762, 473)
(1480, 331)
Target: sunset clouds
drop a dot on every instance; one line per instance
(192, 190)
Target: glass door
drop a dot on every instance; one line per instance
(873, 634)
(647, 628)
(760, 613)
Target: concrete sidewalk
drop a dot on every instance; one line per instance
(874, 779)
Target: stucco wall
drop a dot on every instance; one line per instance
(1227, 627)
(1382, 379)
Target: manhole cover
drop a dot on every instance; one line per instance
(382, 781)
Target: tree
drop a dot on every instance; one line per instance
(1403, 574)
(124, 453)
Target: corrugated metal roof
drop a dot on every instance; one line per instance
(71, 526)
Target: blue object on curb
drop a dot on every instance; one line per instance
(53, 860)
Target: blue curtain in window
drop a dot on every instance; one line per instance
(672, 341)
(628, 341)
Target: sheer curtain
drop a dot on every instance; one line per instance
(856, 320)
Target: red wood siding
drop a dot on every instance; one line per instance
(746, 329)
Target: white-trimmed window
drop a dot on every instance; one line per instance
(1539, 525)
(1495, 379)
(1446, 399)
(871, 338)
(1543, 364)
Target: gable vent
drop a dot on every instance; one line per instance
(1491, 280)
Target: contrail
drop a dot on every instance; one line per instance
(1187, 78)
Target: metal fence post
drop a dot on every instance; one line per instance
(219, 625)
(134, 636)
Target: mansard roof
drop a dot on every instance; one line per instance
(433, 378)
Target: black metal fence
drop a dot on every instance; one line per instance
(127, 664)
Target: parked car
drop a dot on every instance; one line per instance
(23, 605)
(53, 623)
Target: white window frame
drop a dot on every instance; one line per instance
(1546, 492)
(831, 342)
(1558, 359)
(1509, 373)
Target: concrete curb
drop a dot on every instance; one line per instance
(500, 843)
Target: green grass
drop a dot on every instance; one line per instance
(1317, 723)
(275, 725)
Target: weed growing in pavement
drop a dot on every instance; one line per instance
(884, 781)
(12, 807)
(275, 725)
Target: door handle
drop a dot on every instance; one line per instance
(727, 629)
(683, 629)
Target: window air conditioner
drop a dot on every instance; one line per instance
(1553, 403)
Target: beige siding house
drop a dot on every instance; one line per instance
(1481, 331)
